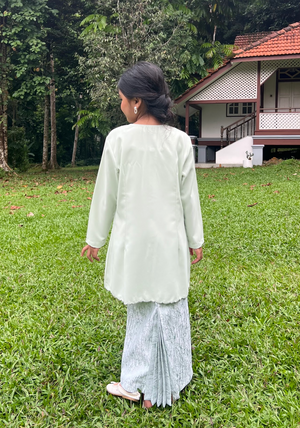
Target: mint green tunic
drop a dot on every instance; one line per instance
(146, 186)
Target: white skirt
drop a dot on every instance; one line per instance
(157, 358)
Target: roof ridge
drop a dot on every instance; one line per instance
(268, 37)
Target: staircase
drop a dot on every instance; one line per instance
(241, 128)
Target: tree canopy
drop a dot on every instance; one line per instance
(60, 63)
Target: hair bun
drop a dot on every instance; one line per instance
(146, 81)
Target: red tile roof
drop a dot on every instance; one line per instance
(275, 43)
(283, 42)
(244, 40)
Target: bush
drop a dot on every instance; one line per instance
(18, 149)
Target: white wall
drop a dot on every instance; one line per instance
(213, 117)
(235, 153)
(270, 92)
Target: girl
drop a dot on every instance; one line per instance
(146, 187)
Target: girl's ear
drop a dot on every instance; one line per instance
(138, 102)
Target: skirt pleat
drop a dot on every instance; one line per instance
(157, 351)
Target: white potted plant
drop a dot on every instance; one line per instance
(248, 163)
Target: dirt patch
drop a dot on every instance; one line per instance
(272, 161)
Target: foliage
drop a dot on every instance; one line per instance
(271, 15)
(156, 32)
(186, 38)
(209, 16)
(62, 334)
(259, 15)
(22, 34)
(18, 154)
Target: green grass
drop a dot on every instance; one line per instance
(61, 333)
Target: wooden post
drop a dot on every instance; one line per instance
(187, 118)
(200, 123)
(258, 95)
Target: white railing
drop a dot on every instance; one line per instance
(279, 119)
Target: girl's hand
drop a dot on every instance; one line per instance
(92, 253)
(198, 253)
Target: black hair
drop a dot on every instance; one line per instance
(146, 81)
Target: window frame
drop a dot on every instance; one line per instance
(240, 109)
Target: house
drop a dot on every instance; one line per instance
(250, 103)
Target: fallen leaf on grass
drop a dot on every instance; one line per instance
(15, 207)
(211, 196)
(30, 215)
(295, 173)
(76, 206)
(59, 187)
(245, 184)
(31, 196)
(89, 198)
(252, 205)
(276, 191)
(268, 184)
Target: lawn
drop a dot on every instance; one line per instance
(61, 333)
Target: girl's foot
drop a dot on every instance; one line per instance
(115, 388)
(147, 404)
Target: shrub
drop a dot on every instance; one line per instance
(18, 149)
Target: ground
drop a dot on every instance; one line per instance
(61, 333)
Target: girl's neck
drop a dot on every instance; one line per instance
(147, 119)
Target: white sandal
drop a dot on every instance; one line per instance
(115, 388)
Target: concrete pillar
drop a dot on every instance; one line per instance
(202, 154)
(194, 144)
(258, 154)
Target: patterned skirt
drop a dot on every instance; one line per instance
(157, 357)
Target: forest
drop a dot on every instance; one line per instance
(60, 62)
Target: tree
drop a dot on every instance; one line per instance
(259, 15)
(75, 145)
(46, 133)
(64, 46)
(156, 32)
(20, 46)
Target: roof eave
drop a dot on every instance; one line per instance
(264, 58)
(202, 83)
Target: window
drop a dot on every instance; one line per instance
(239, 109)
(285, 74)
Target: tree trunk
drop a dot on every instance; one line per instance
(76, 139)
(46, 133)
(53, 160)
(214, 35)
(3, 109)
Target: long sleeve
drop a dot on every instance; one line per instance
(146, 187)
(104, 200)
(190, 202)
